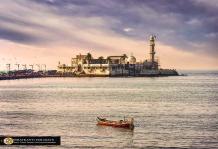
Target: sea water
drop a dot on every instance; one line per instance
(179, 112)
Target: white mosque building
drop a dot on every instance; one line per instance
(86, 65)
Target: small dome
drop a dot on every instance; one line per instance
(152, 37)
(131, 60)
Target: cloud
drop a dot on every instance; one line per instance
(210, 3)
(17, 36)
(211, 35)
(195, 22)
(128, 29)
(107, 26)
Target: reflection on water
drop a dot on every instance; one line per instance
(179, 112)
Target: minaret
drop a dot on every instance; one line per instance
(152, 45)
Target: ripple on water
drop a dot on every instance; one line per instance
(169, 112)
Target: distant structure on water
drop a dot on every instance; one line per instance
(86, 65)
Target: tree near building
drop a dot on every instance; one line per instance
(125, 56)
(108, 60)
(101, 58)
(89, 57)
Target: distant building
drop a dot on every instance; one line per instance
(86, 65)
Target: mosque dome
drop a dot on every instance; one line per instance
(131, 60)
(152, 37)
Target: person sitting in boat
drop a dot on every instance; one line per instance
(101, 119)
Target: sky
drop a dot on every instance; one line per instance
(49, 31)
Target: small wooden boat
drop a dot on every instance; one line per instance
(120, 123)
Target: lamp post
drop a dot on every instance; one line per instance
(8, 67)
(31, 67)
(24, 66)
(39, 68)
(18, 66)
